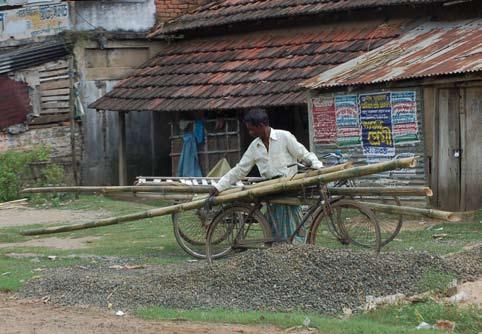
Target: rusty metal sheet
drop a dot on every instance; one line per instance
(430, 49)
(14, 102)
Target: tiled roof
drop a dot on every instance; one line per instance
(431, 49)
(241, 71)
(218, 13)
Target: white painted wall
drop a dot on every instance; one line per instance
(122, 15)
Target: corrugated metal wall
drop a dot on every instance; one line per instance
(408, 177)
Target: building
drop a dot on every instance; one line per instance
(235, 55)
(420, 94)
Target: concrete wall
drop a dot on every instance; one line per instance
(99, 70)
(126, 15)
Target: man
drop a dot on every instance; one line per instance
(272, 151)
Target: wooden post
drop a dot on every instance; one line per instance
(72, 120)
(121, 146)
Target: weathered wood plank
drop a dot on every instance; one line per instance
(58, 77)
(62, 91)
(54, 111)
(53, 73)
(49, 105)
(472, 153)
(46, 119)
(54, 84)
(448, 178)
(55, 98)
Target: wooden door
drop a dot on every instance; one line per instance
(471, 164)
(458, 149)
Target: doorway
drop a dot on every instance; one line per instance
(457, 159)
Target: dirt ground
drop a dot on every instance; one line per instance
(34, 316)
(28, 216)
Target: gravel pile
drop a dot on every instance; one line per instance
(283, 278)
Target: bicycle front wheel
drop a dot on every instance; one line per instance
(355, 223)
(237, 228)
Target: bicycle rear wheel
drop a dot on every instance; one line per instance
(190, 228)
(237, 228)
(355, 223)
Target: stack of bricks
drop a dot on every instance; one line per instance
(169, 9)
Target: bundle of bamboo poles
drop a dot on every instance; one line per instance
(252, 192)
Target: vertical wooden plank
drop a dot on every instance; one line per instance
(429, 105)
(121, 146)
(472, 150)
(72, 121)
(310, 122)
(448, 166)
(461, 146)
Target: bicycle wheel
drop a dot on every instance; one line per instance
(354, 221)
(390, 223)
(190, 229)
(237, 228)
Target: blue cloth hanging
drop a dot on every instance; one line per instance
(189, 162)
(199, 131)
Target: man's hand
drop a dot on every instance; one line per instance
(213, 192)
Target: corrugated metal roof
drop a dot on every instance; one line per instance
(218, 13)
(14, 102)
(242, 71)
(431, 49)
(32, 55)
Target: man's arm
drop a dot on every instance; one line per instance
(300, 152)
(238, 172)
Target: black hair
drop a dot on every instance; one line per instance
(257, 116)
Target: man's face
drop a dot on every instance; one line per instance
(255, 130)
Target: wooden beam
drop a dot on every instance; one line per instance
(122, 149)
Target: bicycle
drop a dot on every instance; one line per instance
(242, 225)
(390, 224)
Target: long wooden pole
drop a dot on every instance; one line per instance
(381, 191)
(252, 194)
(116, 189)
(410, 211)
(168, 187)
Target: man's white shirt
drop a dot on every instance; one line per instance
(284, 150)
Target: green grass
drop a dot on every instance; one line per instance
(358, 325)
(149, 241)
(390, 319)
(467, 319)
(458, 235)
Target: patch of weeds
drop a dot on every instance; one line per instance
(467, 319)
(435, 281)
(299, 320)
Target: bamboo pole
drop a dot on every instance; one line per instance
(381, 191)
(167, 187)
(115, 189)
(250, 194)
(411, 211)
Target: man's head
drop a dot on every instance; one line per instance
(257, 122)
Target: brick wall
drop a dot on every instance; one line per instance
(169, 9)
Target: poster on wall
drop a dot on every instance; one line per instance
(404, 117)
(324, 120)
(347, 121)
(376, 126)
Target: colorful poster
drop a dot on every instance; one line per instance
(324, 120)
(376, 126)
(404, 117)
(347, 120)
